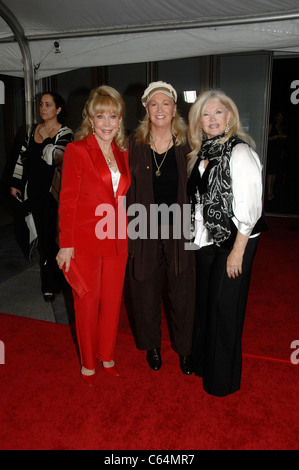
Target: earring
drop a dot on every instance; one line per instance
(227, 127)
(203, 135)
(93, 131)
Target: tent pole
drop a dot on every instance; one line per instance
(18, 31)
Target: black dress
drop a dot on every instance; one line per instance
(44, 210)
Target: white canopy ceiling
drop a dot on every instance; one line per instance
(105, 32)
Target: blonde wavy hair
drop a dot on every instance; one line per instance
(101, 99)
(178, 130)
(195, 131)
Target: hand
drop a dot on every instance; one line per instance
(15, 191)
(64, 256)
(234, 264)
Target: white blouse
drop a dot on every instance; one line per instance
(247, 189)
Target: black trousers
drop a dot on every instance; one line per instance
(178, 295)
(219, 318)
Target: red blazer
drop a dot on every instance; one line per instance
(88, 207)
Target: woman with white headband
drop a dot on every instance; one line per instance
(157, 156)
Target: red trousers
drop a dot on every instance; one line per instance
(97, 313)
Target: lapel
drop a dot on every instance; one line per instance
(100, 167)
(148, 164)
(140, 156)
(123, 167)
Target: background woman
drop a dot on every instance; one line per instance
(157, 156)
(225, 185)
(276, 148)
(94, 180)
(37, 178)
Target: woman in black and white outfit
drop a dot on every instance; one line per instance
(225, 187)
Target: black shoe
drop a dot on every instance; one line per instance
(154, 359)
(49, 297)
(186, 364)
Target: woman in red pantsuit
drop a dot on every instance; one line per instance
(92, 222)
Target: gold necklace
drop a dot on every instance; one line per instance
(109, 161)
(158, 172)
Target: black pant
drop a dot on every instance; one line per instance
(219, 318)
(178, 302)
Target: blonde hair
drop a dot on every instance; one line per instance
(102, 99)
(195, 132)
(178, 130)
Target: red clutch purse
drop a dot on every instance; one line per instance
(75, 279)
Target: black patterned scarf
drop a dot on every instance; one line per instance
(217, 200)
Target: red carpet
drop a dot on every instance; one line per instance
(44, 405)
(272, 319)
